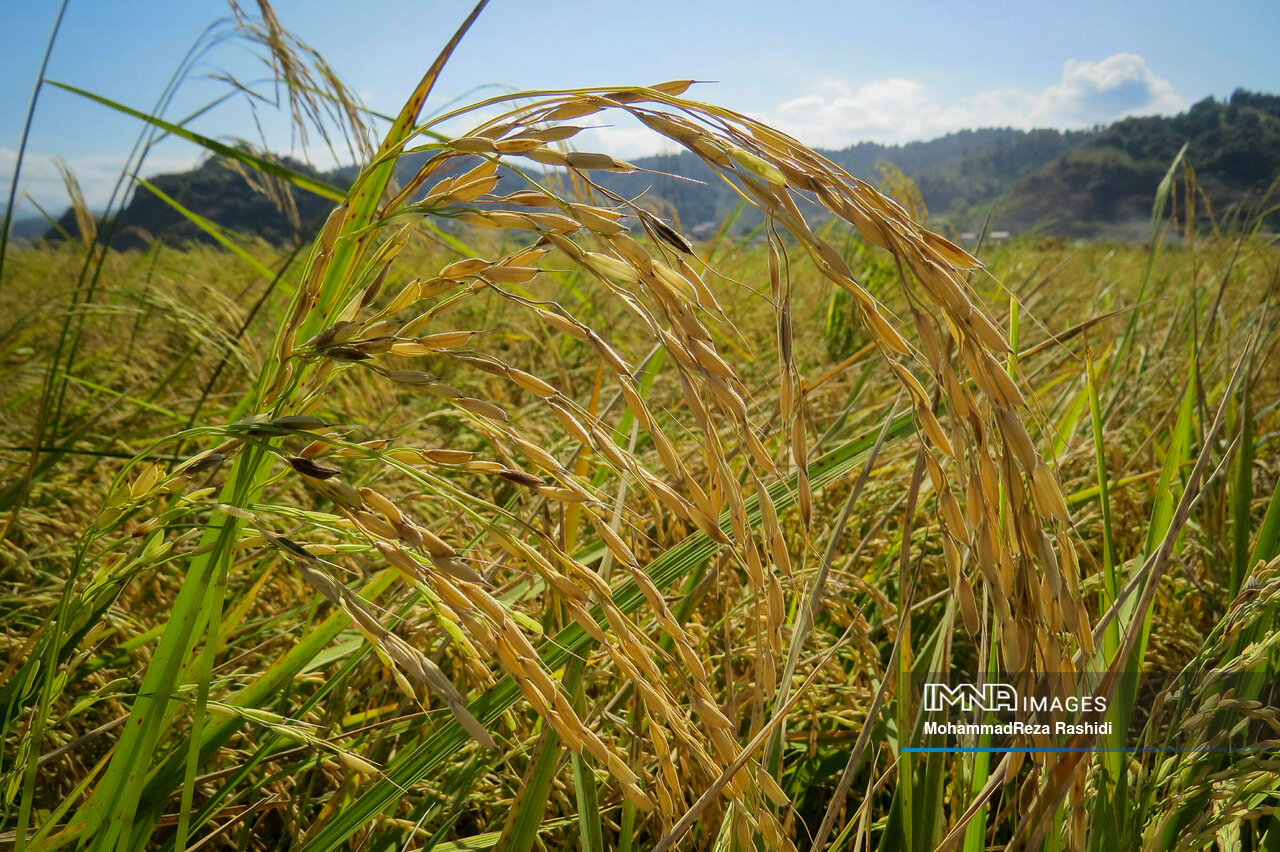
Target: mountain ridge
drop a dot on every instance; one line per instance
(1095, 183)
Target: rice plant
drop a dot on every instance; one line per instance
(501, 518)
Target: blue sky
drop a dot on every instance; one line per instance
(832, 73)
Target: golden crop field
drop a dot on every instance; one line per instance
(514, 520)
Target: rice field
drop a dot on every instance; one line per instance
(517, 520)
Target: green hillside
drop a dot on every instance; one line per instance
(1083, 183)
(1106, 184)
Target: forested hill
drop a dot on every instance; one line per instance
(959, 170)
(956, 173)
(1109, 180)
(1097, 183)
(222, 194)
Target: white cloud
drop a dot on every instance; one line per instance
(1118, 86)
(898, 109)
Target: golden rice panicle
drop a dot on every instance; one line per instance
(565, 473)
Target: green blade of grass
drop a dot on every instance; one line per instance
(525, 818)
(1158, 206)
(298, 179)
(1241, 497)
(109, 813)
(208, 227)
(1112, 638)
(365, 196)
(1177, 456)
(1266, 546)
(590, 822)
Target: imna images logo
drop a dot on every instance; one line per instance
(990, 697)
(1034, 715)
